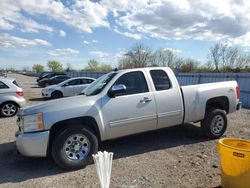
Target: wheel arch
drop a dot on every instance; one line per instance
(9, 101)
(57, 91)
(85, 121)
(221, 102)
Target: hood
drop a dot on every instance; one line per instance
(58, 105)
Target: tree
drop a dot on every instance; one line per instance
(38, 68)
(163, 57)
(94, 66)
(215, 55)
(138, 56)
(190, 65)
(227, 58)
(55, 66)
(69, 67)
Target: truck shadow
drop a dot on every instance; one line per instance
(155, 140)
(16, 168)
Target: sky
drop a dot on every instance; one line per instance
(75, 31)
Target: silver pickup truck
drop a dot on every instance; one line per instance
(117, 104)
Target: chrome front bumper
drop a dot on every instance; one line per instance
(32, 144)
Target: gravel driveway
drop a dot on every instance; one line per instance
(173, 157)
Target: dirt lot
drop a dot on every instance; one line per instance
(173, 157)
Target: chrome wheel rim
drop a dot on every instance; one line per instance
(9, 109)
(217, 124)
(76, 147)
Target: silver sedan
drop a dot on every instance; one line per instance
(11, 97)
(70, 87)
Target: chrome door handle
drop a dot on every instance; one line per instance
(145, 99)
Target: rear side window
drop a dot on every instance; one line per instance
(3, 86)
(62, 77)
(87, 81)
(15, 82)
(160, 79)
(135, 82)
(74, 82)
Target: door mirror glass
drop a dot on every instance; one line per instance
(117, 90)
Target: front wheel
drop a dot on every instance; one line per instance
(56, 95)
(73, 147)
(215, 123)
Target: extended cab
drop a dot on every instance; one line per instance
(117, 104)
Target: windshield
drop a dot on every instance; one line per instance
(98, 85)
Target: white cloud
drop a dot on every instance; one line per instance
(107, 57)
(99, 54)
(86, 42)
(62, 33)
(173, 50)
(135, 36)
(63, 52)
(5, 25)
(30, 26)
(184, 19)
(89, 42)
(11, 17)
(8, 41)
(165, 19)
(81, 15)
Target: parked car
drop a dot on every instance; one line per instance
(2, 74)
(70, 87)
(118, 104)
(53, 80)
(45, 75)
(11, 97)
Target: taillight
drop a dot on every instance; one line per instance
(19, 93)
(238, 92)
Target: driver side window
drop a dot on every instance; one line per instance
(135, 82)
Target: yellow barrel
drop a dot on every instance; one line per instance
(235, 162)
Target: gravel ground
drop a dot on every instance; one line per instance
(173, 157)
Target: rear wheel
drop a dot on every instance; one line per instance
(215, 123)
(73, 147)
(56, 95)
(8, 109)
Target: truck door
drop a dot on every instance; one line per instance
(168, 98)
(132, 112)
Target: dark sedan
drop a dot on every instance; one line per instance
(54, 80)
(45, 75)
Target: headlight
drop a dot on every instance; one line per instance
(31, 123)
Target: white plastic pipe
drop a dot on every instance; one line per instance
(103, 164)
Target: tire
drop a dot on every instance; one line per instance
(56, 95)
(8, 109)
(73, 147)
(214, 124)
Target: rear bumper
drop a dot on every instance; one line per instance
(32, 144)
(239, 105)
(21, 101)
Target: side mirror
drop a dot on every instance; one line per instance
(117, 90)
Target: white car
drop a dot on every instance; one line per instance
(11, 97)
(70, 87)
